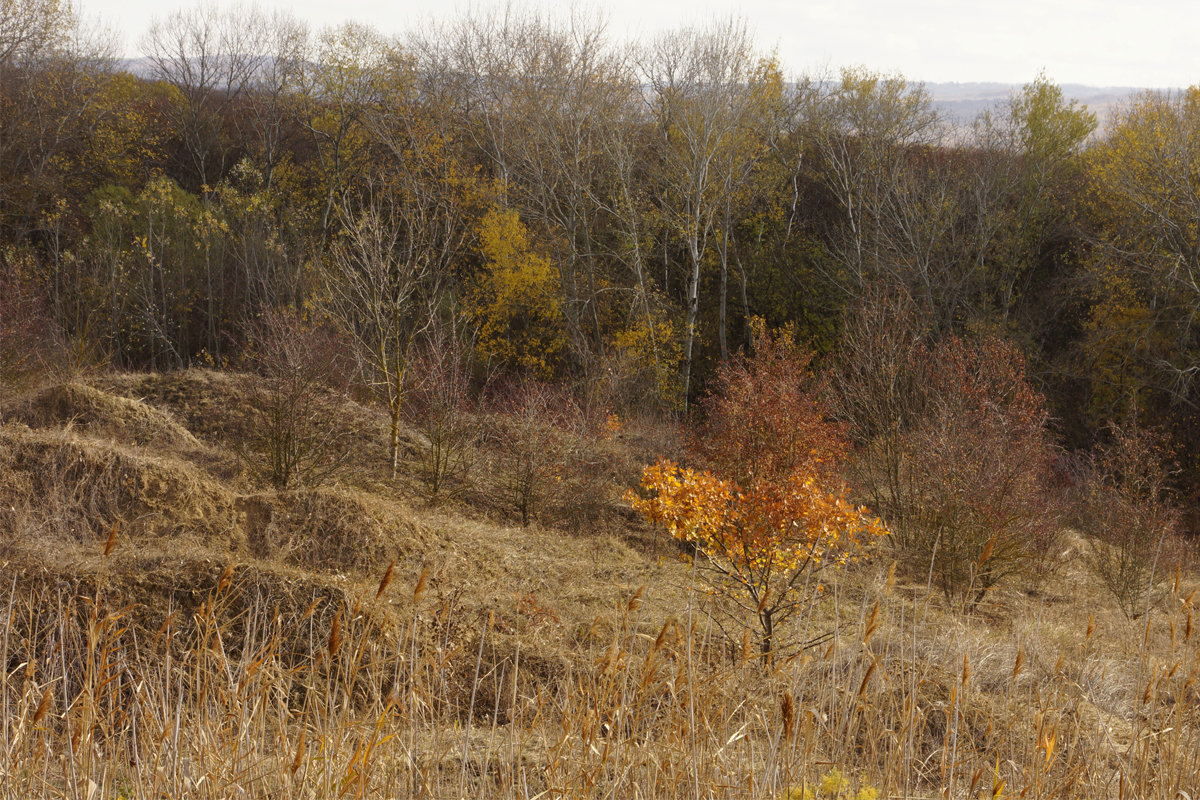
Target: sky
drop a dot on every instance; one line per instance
(1124, 43)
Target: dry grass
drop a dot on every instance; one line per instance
(255, 685)
(57, 485)
(216, 406)
(229, 642)
(101, 414)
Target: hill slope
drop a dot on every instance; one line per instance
(179, 629)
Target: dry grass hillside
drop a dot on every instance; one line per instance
(177, 628)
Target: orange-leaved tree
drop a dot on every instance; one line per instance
(763, 506)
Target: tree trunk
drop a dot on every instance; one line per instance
(722, 321)
(748, 334)
(395, 437)
(766, 619)
(693, 311)
(396, 407)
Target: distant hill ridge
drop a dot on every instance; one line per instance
(962, 102)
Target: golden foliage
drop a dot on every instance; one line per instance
(762, 536)
(516, 302)
(774, 516)
(651, 350)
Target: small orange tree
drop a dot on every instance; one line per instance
(766, 510)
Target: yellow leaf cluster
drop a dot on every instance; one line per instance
(517, 300)
(760, 537)
(652, 349)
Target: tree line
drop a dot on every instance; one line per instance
(610, 217)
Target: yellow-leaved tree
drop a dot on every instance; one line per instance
(646, 360)
(1145, 176)
(763, 506)
(516, 301)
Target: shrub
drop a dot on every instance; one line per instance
(764, 416)
(875, 388)
(443, 405)
(1127, 512)
(640, 371)
(305, 369)
(768, 515)
(979, 507)
(951, 448)
(529, 431)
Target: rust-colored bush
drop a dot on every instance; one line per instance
(950, 446)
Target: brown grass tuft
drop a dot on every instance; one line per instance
(386, 580)
(422, 585)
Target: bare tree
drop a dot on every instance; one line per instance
(1134, 524)
(342, 79)
(293, 440)
(875, 388)
(959, 218)
(533, 431)
(702, 103)
(268, 108)
(543, 98)
(444, 404)
(212, 57)
(381, 295)
(866, 129)
(407, 223)
(28, 27)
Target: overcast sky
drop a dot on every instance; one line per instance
(1151, 43)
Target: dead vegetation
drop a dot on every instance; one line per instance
(176, 630)
(255, 682)
(57, 483)
(100, 415)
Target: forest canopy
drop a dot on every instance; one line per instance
(606, 217)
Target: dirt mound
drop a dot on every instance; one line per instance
(56, 484)
(100, 413)
(221, 409)
(210, 404)
(182, 490)
(329, 528)
(157, 586)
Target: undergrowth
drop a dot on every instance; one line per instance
(393, 693)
